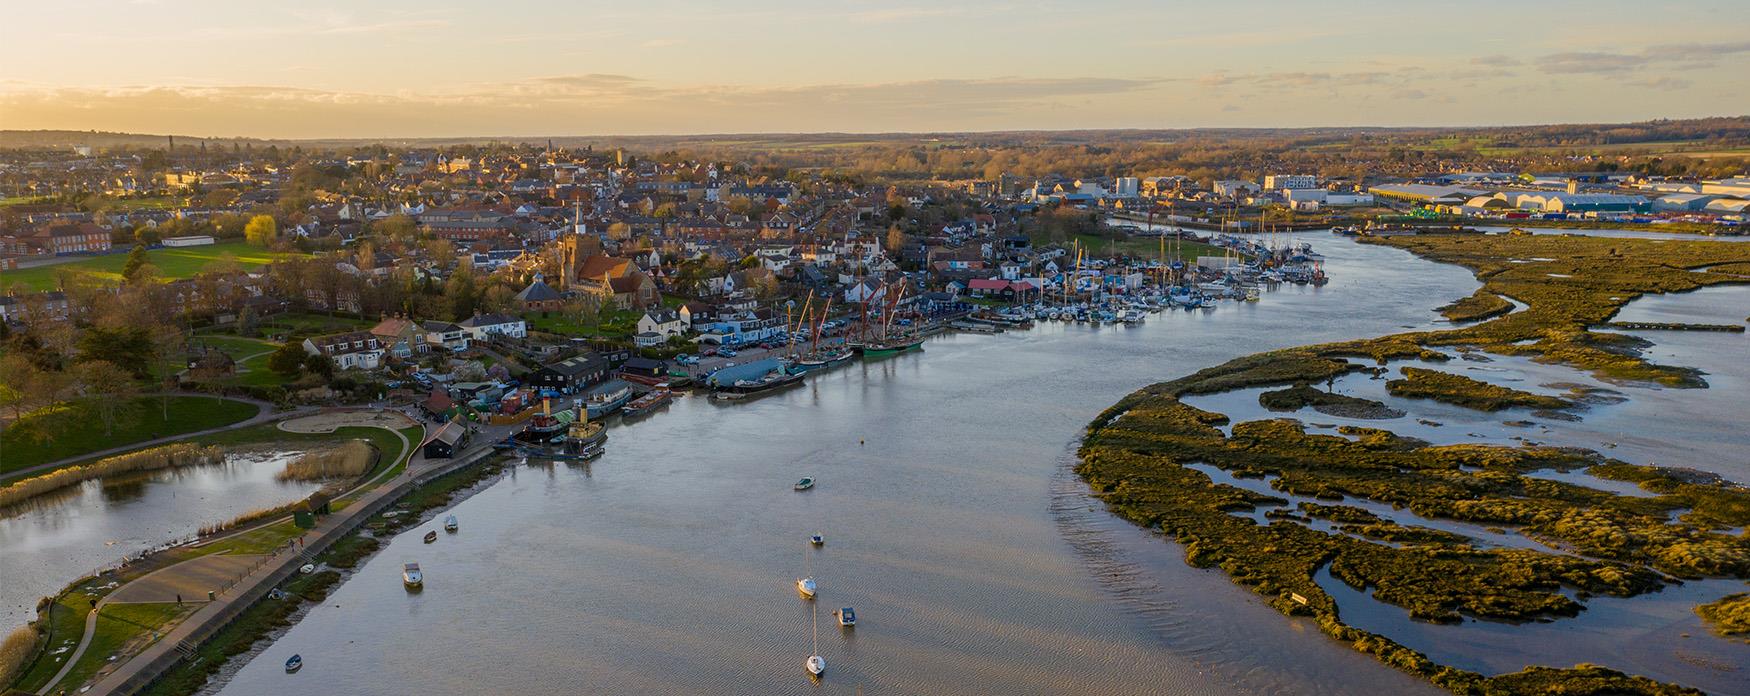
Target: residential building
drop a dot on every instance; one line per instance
(571, 374)
(482, 327)
(352, 350)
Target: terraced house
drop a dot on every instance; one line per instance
(352, 350)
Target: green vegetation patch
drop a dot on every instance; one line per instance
(1730, 616)
(173, 263)
(69, 430)
(1303, 395)
(1421, 383)
(1479, 306)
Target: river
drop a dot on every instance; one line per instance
(974, 558)
(65, 535)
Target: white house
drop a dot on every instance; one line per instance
(663, 322)
(354, 350)
(445, 335)
(482, 326)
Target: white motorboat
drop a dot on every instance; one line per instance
(451, 524)
(411, 577)
(806, 586)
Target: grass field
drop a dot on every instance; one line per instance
(251, 355)
(1100, 246)
(82, 432)
(617, 324)
(312, 324)
(173, 264)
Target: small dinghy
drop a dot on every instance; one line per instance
(307, 568)
(817, 540)
(847, 616)
(430, 537)
(294, 663)
(806, 483)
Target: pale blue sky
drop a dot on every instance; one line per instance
(518, 67)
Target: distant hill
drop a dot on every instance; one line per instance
(1728, 130)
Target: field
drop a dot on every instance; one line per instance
(172, 264)
(82, 432)
(251, 355)
(1100, 246)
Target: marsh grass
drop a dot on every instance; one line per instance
(16, 650)
(346, 460)
(165, 457)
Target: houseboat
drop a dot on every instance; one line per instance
(607, 398)
(754, 378)
(649, 402)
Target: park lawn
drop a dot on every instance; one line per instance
(1099, 246)
(83, 432)
(122, 629)
(173, 264)
(238, 347)
(617, 324)
(313, 324)
(66, 624)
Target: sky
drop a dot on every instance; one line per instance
(441, 68)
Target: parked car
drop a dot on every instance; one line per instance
(727, 352)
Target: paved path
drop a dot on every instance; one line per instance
(264, 415)
(189, 580)
(84, 642)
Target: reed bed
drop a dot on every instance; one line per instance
(165, 457)
(15, 651)
(347, 460)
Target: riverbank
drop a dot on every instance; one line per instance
(1146, 458)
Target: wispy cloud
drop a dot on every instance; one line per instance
(1608, 63)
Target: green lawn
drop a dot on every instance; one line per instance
(1100, 246)
(80, 432)
(122, 627)
(172, 264)
(66, 623)
(617, 324)
(251, 355)
(313, 324)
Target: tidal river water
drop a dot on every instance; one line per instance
(973, 556)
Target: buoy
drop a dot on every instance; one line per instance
(859, 441)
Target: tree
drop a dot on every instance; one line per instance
(895, 239)
(261, 230)
(136, 261)
(288, 360)
(128, 348)
(108, 390)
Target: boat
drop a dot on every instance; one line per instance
(807, 587)
(450, 523)
(880, 349)
(817, 540)
(411, 577)
(816, 665)
(756, 377)
(307, 568)
(548, 425)
(805, 483)
(822, 359)
(847, 616)
(430, 536)
(294, 663)
(644, 405)
(607, 398)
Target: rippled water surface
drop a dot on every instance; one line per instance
(68, 534)
(974, 558)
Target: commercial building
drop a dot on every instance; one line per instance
(1283, 182)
